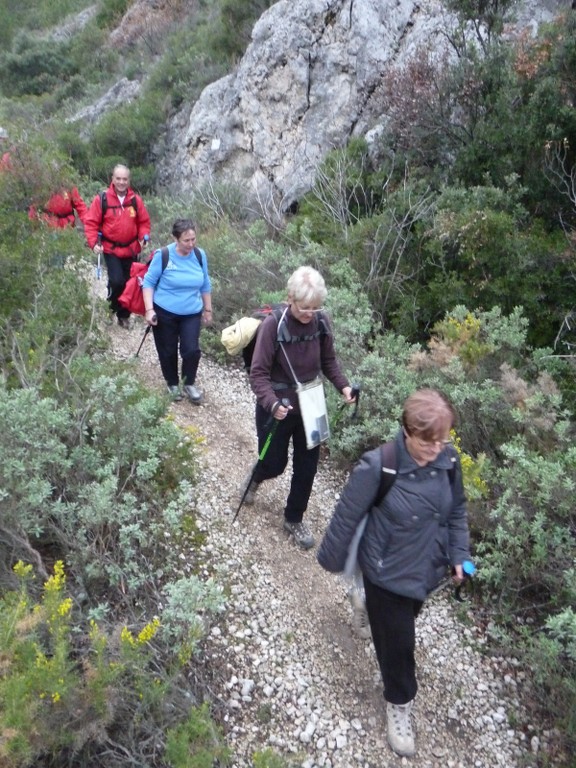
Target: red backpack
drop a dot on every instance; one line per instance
(131, 297)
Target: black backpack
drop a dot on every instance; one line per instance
(283, 336)
(164, 252)
(388, 453)
(104, 203)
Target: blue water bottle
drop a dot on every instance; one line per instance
(468, 569)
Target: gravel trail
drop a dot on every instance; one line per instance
(294, 677)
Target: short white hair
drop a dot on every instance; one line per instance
(307, 285)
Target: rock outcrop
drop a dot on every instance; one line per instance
(307, 83)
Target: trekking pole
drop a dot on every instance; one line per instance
(271, 424)
(98, 267)
(146, 332)
(469, 570)
(355, 393)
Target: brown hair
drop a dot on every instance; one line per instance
(428, 414)
(182, 225)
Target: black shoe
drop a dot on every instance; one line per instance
(124, 322)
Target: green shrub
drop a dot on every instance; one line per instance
(231, 34)
(35, 67)
(67, 685)
(110, 12)
(197, 743)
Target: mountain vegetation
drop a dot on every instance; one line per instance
(450, 254)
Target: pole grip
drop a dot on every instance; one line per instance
(285, 402)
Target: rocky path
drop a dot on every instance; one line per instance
(294, 677)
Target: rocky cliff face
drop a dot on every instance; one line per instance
(307, 83)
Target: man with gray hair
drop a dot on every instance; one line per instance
(116, 225)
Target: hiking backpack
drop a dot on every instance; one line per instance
(283, 335)
(131, 297)
(104, 203)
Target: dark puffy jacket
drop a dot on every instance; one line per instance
(419, 529)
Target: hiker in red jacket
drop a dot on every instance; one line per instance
(115, 225)
(59, 210)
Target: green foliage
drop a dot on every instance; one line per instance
(44, 697)
(482, 247)
(552, 656)
(182, 622)
(527, 559)
(110, 12)
(346, 190)
(126, 135)
(267, 758)
(67, 685)
(231, 34)
(187, 66)
(41, 14)
(197, 743)
(34, 67)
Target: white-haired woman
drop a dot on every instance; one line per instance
(296, 347)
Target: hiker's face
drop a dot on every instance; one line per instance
(121, 181)
(186, 242)
(424, 451)
(302, 311)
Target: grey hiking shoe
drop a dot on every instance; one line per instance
(360, 622)
(193, 394)
(124, 322)
(301, 534)
(399, 728)
(251, 492)
(175, 393)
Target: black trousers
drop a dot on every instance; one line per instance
(175, 331)
(304, 461)
(393, 624)
(118, 274)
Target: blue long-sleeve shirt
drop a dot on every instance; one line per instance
(180, 287)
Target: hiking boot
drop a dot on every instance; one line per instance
(124, 322)
(399, 728)
(301, 534)
(360, 622)
(193, 394)
(175, 393)
(251, 492)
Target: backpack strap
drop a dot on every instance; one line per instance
(389, 456)
(284, 336)
(198, 256)
(388, 472)
(104, 203)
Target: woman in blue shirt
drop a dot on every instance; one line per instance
(177, 300)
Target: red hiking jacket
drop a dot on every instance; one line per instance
(122, 227)
(59, 210)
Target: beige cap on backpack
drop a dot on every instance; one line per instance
(237, 336)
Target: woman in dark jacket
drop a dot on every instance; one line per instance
(418, 529)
